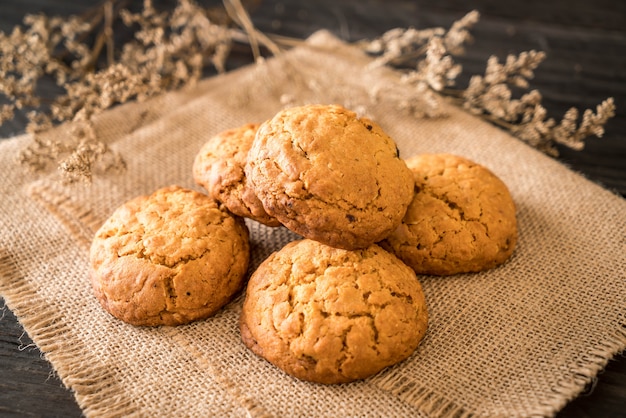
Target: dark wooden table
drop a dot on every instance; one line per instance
(585, 44)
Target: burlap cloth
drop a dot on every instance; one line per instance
(520, 340)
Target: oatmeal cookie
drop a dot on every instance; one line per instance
(329, 315)
(329, 175)
(219, 168)
(169, 258)
(462, 218)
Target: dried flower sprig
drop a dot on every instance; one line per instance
(430, 52)
(491, 93)
(543, 133)
(571, 134)
(489, 96)
(399, 46)
(170, 49)
(27, 55)
(402, 47)
(79, 155)
(438, 70)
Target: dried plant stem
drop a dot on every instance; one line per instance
(238, 13)
(104, 38)
(173, 48)
(108, 31)
(489, 96)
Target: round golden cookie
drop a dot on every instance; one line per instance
(219, 168)
(330, 176)
(462, 218)
(329, 315)
(170, 258)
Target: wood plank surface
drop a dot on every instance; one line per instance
(585, 44)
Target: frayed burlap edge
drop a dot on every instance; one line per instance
(437, 405)
(95, 388)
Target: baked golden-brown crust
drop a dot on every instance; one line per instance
(169, 258)
(330, 176)
(219, 168)
(462, 218)
(329, 315)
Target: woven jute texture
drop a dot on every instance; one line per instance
(518, 340)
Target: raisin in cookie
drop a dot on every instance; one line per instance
(329, 315)
(169, 258)
(462, 218)
(330, 176)
(219, 168)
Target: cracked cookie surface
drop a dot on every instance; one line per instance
(219, 168)
(329, 175)
(169, 258)
(329, 315)
(462, 218)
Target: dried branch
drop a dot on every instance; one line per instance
(170, 49)
(429, 52)
(491, 93)
(489, 96)
(175, 48)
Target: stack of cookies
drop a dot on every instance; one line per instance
(343, 302)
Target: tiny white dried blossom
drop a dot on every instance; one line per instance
(491, 94)
(416, 99)
(87, 155)
(38, 122)
(398, 44)
(459, 33)
(438, 69)
(435, 69)
(170, 49)
(569, 133)
(535, 129)
(516, 70)
(7, 112)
